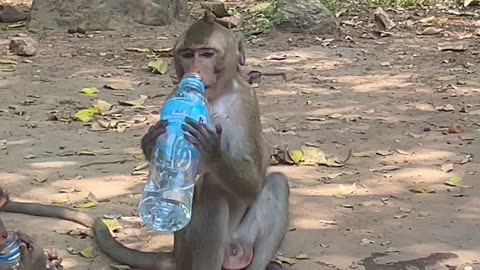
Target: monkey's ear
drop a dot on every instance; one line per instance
(240, 50)
(208, 17)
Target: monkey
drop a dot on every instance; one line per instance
(240, 209)
(32, 257)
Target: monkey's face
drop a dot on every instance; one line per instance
(204, 61)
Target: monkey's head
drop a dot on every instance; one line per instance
(211, 50)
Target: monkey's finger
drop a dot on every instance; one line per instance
(195, 142)
(196, 134)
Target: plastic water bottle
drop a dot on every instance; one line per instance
(167, 198)
(10, 254)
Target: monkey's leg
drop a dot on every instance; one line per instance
(209, 227)
(266, 220)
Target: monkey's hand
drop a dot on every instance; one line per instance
(150, 138)
(203, 138)
(54, 261)
(31, 255)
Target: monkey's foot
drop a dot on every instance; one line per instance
(237, 256)
(274, 266)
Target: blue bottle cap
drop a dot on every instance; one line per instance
(192, 81)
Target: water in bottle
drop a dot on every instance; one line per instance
(167, 198)
(10, 254)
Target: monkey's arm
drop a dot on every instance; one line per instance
(239, 166)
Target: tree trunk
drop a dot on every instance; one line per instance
(105, 14)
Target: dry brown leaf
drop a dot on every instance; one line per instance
(119, 86)
(447, 167)
(430, 31)
(137, 102)
(102, 105)
(386, 168)
(382, 20)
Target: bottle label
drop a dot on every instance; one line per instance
(177, 108)
(177, 153)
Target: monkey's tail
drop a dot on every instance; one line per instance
(131, 257)
(54, 211)
(106, 242)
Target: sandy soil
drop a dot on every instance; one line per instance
(379, 95)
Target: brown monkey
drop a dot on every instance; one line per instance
(240, 211)
(32, 257)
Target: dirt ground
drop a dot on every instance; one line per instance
(382, 95)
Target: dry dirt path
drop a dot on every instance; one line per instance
(374, 95)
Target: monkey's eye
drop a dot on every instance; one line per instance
(207, 54)
(187, 55)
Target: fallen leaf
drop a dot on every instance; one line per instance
(3, 144)
(423, 190)
(430, 31)
(119, 86)
(402, 152)
(7, 62)
(302, 256)
(386, 168)
(454, 181)
(16, 25)
(362, 154)
(87, 252)
(143, 165)
(112, 224)
(448, 167)
(29, 156)
(136, 102)
(392, 250)
(345, 190)
(335, 116)
(415, 136)
(158, 66)
(427, 20)
(444, 78)
(312, 156)
(405, 209)
(39, 179)
(453, 47)
(72, 251)
(96, 126)
(69, 190)
(120, 267)
(295, 155)
(366, 241)
(289, 261)
(102, 106)
(90, 91)
(86, 115)
(88, 204)
(384, 153)
(382, 20)
(334, 175)
(164, 52)
(276, 57)
(134, 49)
(467, 158)
(61, 201)
(445, 108)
